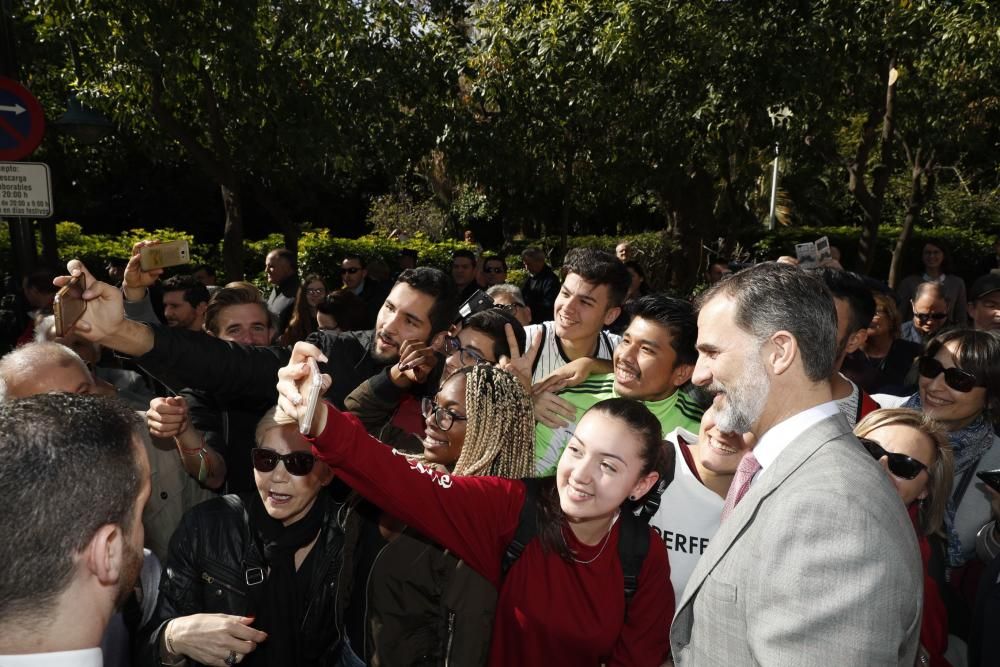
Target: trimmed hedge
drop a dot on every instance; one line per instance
(320, 252)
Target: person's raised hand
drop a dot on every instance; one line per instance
(167, 417)
(293, 382)
(105, 312)
(136, 280)
(552, 410)
(210, 638)
(416, 361)
(517, 364)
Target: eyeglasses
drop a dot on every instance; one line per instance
(927, 317)
(350, 269)
(468, 357)
(494, 269)
(315, 290)
(296, 463)
(443, 417)
(956, 378)
(900, 465)
(509, 307)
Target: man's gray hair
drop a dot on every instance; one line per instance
(773, 297)
(27, 360)
(513, 291)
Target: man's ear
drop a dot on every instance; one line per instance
(611, 315)
(104, 554)
(681, 374)
(437, 342)
(856, 340)
(784, 351)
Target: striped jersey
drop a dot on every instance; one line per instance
(552, 355)
(677, 410)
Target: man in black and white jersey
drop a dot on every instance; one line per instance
(593, 288)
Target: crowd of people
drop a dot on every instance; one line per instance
(791, 467)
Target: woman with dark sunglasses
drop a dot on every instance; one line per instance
(959, 387)
(916, 455)
(258, 578)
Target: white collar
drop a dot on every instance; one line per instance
(783, 433)
(88, 657)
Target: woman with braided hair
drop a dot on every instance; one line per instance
(425, 606)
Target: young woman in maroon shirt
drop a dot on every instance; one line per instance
(562, 602)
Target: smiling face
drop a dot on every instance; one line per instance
(405, 315)
(600, 467)
(731, 367)
(719, 451)
(444, 447)
(289, 497)
(315, 293)
(953, 409)
(245, 323)
(645, 363)
(929, 305)
(933, 257)
(582, 309)
(900, 439)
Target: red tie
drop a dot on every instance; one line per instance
(741, 483)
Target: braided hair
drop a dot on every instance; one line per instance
(500, 435)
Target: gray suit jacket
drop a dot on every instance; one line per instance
(818, 565)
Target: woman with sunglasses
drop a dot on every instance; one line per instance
(258, 578)
(563, 600)
(311, 293)
(915, 454)
(959, 387)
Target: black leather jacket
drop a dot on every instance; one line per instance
(213, 561)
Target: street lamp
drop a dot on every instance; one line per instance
(780, 118)
(82, 123)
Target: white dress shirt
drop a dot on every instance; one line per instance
(779, 436)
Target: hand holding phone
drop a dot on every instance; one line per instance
(162, 255)
(315, 388)
(69, 305)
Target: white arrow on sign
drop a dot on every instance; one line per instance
(17, 109)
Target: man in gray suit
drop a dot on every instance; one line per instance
(816, 562)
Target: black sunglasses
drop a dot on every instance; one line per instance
(296, 463)
(900, 465)
(954, 377)
(351, 269)
(927, 317)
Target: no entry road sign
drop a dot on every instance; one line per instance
(22, 122)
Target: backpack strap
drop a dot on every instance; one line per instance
(527, 525)
(633, 545)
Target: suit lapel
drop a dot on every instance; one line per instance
(790, 460)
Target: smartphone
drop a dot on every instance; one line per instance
(806, 254)
(162, 255)
(69, 305)
(478, 302)
(315, 384)
(991, 477)
(823, 251)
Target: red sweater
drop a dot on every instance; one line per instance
(549, 611)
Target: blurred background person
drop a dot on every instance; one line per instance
(311, 293)
(936, 265)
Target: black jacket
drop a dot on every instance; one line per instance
(240, 374)
(540, 292)
(213, 558)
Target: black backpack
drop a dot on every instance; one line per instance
(633, 538)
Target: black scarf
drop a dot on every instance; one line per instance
(277, 601)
